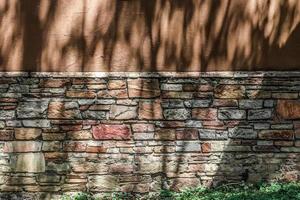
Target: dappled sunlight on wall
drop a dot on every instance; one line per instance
(140, 35)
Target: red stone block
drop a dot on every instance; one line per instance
(12, 107)
(8, 100)
(276, 134)
(95, 149)
(206, 147)
(288, 109)
(53, 83)
(187, 134)
(111, 131)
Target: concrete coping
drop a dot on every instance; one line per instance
(221, 74)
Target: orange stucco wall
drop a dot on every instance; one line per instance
(143, 35)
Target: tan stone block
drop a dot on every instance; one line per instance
(230, 91)
(58, 110)
(27, 133)
(150, 110)
(79, 135)
(30, 162)
(116, 84)
(81, 94)
(145, 88)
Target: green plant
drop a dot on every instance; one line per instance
(78, 196)
(273, 191)
(262, 191)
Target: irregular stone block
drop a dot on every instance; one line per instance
(112, 94)
(81, 94)
(193, 123)
(6, 135)
(2, 124)
(145, 88)
(165, 134)
(225, 114)
(32, 109)
(7, 114)
(177, 95)
(261, 126)
(276, 134)
(53, 83)
(116, 84)
(288, 109)
(143, 136)
(242, 133)
(204, 113)
(123, 112)
(184, 146)
(174, 103)
(225, 103)
(180, 184)
(150, 110)
(96, 87)
(111, 131)
(39, 123)
(100, 107)
(250, 104)
(91, 114)
(203, 103)
(75, 146)
(52, 146)
(17, 88)
(211, 134)
(230, 91)
(177, 114)
(49, 178)
(103, 183)
(63, 110)
(259, 114)
(150, 167)
(269, 103)
(187, 134)
(27, 133)
(30, 163)
(142, 127)
(79, 135)
(22, 146)
(171, 87)
(21, 180)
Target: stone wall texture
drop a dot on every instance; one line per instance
(140, 132)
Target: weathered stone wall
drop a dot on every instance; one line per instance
(140, 132)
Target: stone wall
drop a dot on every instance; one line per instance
(140, 132)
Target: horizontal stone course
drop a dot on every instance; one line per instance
(106, 132)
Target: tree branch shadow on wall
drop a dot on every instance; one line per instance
(176, 55)
(147, 35)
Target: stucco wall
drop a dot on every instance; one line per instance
(143, 35)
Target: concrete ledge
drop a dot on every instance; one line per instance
(225, 74)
